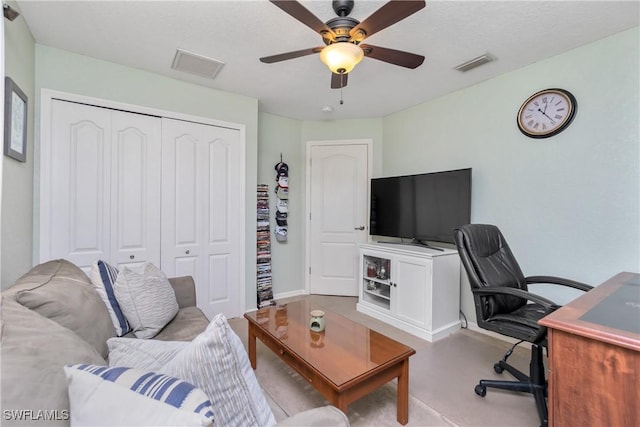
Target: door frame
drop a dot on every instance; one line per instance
(41, 243)
(307, 210)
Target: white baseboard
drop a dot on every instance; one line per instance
(290, 294)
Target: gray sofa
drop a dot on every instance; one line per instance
(52, 316)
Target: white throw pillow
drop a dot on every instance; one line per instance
(217, 362)
(117, 396)
(103, 277)
(143, 354)
(147, 300)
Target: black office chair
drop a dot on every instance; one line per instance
(504, 305)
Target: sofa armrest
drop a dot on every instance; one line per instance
(185, 290)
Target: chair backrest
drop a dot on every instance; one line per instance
(488, 261)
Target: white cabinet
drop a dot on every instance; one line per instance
(414, 288)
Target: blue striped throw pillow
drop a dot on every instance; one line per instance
(103, 276)
(169, 390)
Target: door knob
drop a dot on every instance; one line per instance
(359, 228)
(187, 252)
(132, 256)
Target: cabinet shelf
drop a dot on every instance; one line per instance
(381, 293)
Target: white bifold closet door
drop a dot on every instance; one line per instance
(128, 188)
(104, 186)
(201, 202)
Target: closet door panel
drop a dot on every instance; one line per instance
(181, 199)
(79, 185)
(188, 192)
(135, 189)
(201, 211)
(220, 226)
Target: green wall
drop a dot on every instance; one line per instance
(568, 205)
(17, 191)
(279, 135)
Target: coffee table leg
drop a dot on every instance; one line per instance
(403, 394)
(252, 346)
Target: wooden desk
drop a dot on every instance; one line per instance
(594, 356)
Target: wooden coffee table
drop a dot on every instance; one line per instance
(344, 363)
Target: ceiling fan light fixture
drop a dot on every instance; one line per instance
(341, 57)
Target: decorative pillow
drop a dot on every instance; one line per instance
(66, 296)
(217, 362)
(119, 396)
(143, 354)
(103, 276)
(147, 300)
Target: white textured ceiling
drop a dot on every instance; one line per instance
(146, 34)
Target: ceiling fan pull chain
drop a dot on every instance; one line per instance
(341, 86)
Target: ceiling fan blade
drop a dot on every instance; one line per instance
(289, 55)
(338, 80)
(389, 14)
(303, 15)
(392, 56)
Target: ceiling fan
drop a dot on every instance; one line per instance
(342, 36)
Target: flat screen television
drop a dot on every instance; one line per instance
(422, 207)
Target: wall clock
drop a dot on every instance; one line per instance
(547, 113)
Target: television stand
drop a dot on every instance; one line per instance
(417, 242)
(413, 242)
(411, 287)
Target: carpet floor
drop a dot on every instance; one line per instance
(442, 377)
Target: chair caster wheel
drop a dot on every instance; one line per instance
(481, 390)
(498, 368)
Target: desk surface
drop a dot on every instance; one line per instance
(586, 315)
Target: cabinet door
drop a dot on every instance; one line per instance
(76, 224)
(375, 282)
(412, 277)
(135, 189)
(202, 211)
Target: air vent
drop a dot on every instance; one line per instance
(475, 62)
(196, 64)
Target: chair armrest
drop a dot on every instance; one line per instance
(185, 289)
(502, 290)
(558, 281)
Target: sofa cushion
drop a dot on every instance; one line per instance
(60, 291)
(119, 396)
(34, 351)
(103, 277)
(147, 299)
(143, 354)
(188, 324)
(217, 362)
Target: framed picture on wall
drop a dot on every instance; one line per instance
(15, 121)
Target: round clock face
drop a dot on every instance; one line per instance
(546, 113)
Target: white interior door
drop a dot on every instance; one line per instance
(202, 211)
(338, 187)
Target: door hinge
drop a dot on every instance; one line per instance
(309, 271)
